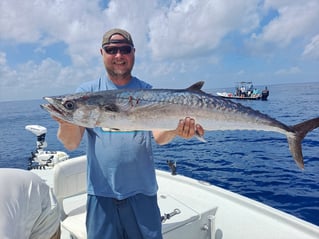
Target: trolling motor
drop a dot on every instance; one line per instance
(40, 159)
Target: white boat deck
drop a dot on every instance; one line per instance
(206, 211)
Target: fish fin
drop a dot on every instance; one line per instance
(196, 87)
(200, 137)
(294, 140)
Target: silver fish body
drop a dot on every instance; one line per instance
(161, 109)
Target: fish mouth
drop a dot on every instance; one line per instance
(51, 109)
(54, 109)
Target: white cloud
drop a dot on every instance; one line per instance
(240, 73)
(48, 77)
(288, 71)
(7, 75)
(312, 49)
(179, 41)
(3, 58)
(193, 27)
(295, 20)
(77, 24)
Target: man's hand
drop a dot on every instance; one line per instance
(60, 121)
(187, 129)
(69, 134)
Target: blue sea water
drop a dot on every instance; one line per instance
(255, 164)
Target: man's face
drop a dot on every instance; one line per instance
(118, 63)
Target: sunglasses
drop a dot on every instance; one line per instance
(113, 50)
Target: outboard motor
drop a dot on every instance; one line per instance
(41, 159)
(265, 94)
(40, 132)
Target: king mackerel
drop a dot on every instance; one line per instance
(142, 109)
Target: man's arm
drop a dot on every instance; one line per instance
(186, 129)
(69, 134)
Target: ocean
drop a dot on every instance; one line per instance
(255, 164)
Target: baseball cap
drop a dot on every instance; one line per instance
(107, 37)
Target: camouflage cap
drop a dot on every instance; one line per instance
(107, 37)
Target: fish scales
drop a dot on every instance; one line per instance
(189, 103)
(161, 109)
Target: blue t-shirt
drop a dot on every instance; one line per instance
(120, 164)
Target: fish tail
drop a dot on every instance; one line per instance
(295, 139)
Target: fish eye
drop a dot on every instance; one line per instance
(69, 105)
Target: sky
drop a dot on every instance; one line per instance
(49, 47)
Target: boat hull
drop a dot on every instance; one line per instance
(262, 96)
(206, 211)
(231, 96)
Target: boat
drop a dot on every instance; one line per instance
(245, 90)
(190, 209)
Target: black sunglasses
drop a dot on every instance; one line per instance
(113, 50)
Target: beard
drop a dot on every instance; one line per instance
(119, 73)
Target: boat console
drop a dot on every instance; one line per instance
(181, 217)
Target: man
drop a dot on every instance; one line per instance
(122, 185)
(28, 209)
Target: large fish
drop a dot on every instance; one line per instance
(161, 109)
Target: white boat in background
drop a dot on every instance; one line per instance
(190, 209)
(246, 91)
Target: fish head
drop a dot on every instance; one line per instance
(79, 109)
